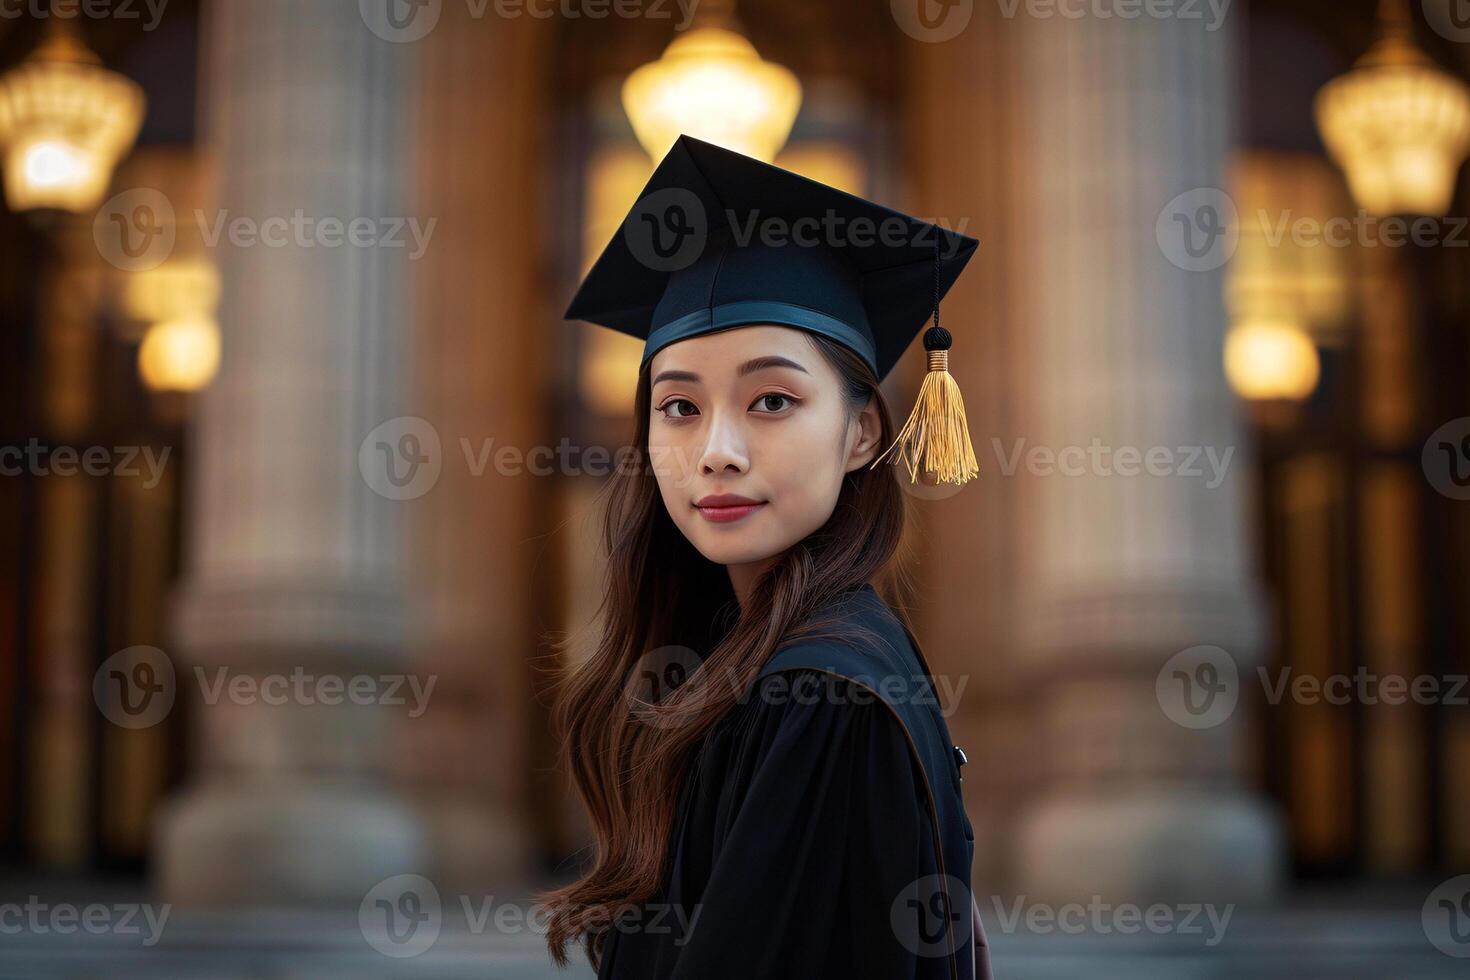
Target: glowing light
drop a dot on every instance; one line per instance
(1397, 124)
(711, 84)
(180, 355)
(178, 288)
(65, 121)
(1271, 359)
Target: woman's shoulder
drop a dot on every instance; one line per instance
(855, 636)
(852, 612)
(803, 687)
(860, 659)
(810, 716)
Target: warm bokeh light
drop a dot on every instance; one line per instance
(831, 162)
(1397, 124)
(65, 121)
(607, 372)
(180, 355)
(711, 84)
(1271, 359)
(616, 173)
(1295, 253)
(177, 288)
(52, 163)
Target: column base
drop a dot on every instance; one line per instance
(244, 845)
(1178, 846)
(476, 846)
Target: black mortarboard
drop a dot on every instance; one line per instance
(719, 240)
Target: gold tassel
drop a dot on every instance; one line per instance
(936, 437)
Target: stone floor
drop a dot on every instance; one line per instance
(1321, 936)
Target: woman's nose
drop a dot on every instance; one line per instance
(724, 447)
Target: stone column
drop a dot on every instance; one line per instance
(482, 346)
(294, 561)
(963, 122)
(1120, 571)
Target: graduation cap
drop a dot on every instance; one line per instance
(719, 240)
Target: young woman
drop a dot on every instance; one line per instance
(771, 784)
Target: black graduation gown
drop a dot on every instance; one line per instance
(804, 842)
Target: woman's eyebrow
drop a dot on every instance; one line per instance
(674, 376)
(770, 361)
(749, 367)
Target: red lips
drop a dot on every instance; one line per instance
(725, 507)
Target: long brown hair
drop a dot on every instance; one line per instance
(662, 593)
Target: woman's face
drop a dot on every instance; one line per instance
(750, 439)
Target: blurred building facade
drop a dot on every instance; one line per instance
(1057, 599)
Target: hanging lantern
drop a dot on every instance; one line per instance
(711, 84)
(180, 355)
(1397, 124)
(65, 121)
(1271, 359)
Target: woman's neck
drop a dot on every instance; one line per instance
(744, 576)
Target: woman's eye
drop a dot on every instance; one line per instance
(773, 403)
(678, 408)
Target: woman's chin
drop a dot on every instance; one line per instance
(725, 555)
(732, 551)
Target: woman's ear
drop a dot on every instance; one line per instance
(869, 431)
